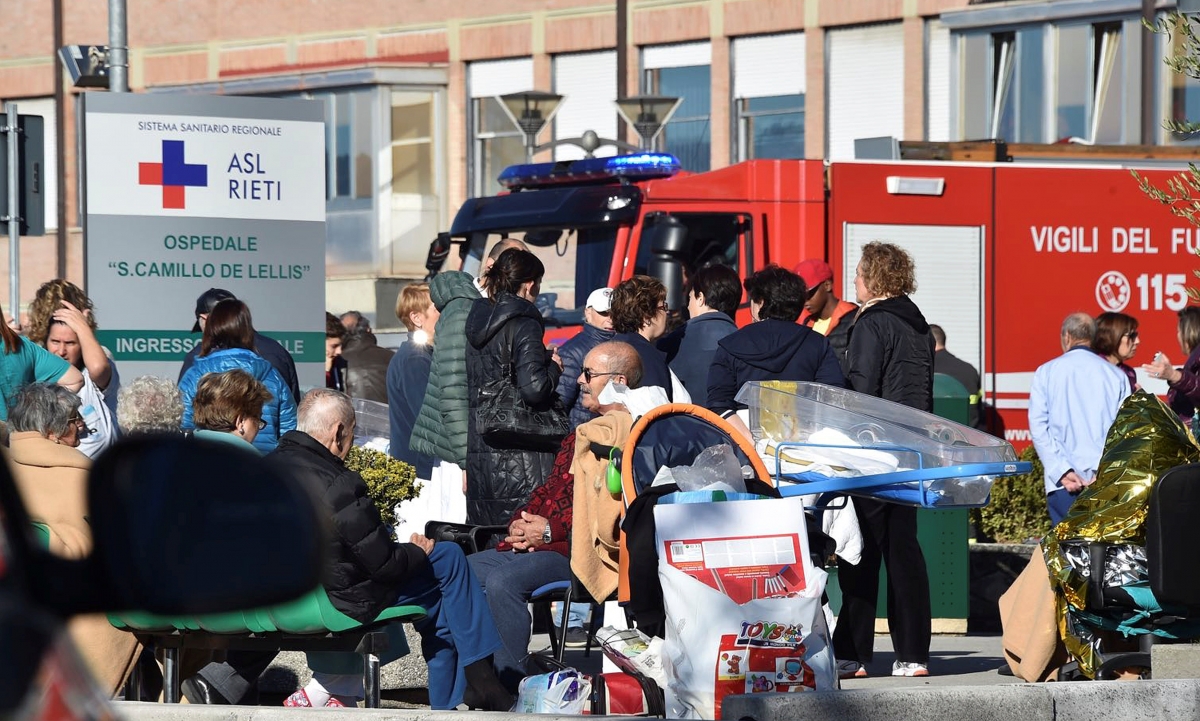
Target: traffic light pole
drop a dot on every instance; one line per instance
(14, 210)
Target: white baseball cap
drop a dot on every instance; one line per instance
(600, 300)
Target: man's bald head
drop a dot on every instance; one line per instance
(1078, 329)
(613, 361)
(328, 416)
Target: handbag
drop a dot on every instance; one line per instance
(505, 420)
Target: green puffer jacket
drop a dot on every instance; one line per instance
(441, 428)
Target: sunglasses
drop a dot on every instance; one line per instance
(1131, 335)
(589, 374)
(77, 420)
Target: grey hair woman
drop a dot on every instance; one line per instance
(48, 410)
(150, 405)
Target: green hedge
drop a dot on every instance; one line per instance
(1017, 512)
(389, 481)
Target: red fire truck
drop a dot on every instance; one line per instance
(1004, 250)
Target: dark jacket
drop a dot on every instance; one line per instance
(891, 353)
(407, 379)
(655, 371)
(366, 367)
(946, 362)
(691, 348)
(268, 348)
(769, 350)
(572, 353)
(838, 332)
(335, 377)
(441, 428)
(364, 568)
(1184, 394)
(509, 330)
(279, 413)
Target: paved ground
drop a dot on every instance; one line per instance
(954, 661)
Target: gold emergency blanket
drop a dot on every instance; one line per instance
(1146, 440)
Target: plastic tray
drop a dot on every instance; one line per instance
(937, 463)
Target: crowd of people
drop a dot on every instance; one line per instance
(64, 402)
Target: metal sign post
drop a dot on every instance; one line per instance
(14, 211)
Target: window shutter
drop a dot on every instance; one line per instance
(684, 55)
(937, 82)
(500, 77)
(588, 82)
(866, 86)
(768, 65)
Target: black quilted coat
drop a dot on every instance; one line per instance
(500, 480)
(365, 569)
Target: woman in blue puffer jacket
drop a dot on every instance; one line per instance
(228, 343)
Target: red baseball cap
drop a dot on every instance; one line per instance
(814, 272)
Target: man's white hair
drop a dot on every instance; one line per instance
(321, 410)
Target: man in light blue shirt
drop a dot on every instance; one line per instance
(1072, 403)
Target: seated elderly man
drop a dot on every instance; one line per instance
(368, 571)
(535, 551)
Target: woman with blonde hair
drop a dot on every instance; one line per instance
(62, 320)
(889, 355)
(1184, 382)
(407, 380)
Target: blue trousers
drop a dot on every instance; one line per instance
(508, 579)
(1059, 502)
(458, 629)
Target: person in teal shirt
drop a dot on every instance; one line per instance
(23, 361)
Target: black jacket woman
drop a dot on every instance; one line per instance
(504, 330)
(890, 355)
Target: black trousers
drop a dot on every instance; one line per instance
(889, 534)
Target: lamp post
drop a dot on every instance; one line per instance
(530, 111)
(648, 114)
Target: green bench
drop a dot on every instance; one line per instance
(309, 623)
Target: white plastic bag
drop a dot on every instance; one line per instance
(560, 692)
(715, 469)
(716, 647)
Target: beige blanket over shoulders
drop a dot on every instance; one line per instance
(595, 532)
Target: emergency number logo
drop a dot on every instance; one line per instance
(1113, 291)
(174, 174)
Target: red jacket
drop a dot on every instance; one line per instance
(552, 501)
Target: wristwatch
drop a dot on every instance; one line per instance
(546, 533)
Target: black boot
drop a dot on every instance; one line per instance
(484, 690)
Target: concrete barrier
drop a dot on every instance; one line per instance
(1080, 701)
(186, 712)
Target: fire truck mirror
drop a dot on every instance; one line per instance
(668, 248)
(543, 238)
(670, 236)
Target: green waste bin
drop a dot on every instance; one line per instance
(943, 537)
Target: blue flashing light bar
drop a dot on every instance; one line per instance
(634, 167)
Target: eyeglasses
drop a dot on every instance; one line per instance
(664, 307)
(78, 421)
(261, 423)
(589, 374)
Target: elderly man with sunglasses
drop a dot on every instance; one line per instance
(536, 550)
(597, 328)
(1073, 401)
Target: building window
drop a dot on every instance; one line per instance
(350, 170)
(498, 144)
(412, 143)
(687, 135)
(1018, 86)
(771, 127)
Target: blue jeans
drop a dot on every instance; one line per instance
(458, 629)
(1058, 503)
(508, 579)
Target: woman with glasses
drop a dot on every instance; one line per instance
(228, 407)
(504, 345)
(1117, 341)
(228, 343)
(638, 309)
(51, 475)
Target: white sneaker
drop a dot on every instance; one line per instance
(907, 668)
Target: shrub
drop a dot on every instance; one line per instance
(389, 481)
(1017, 512)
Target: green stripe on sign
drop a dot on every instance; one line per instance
(173, 345)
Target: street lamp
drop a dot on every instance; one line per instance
(530, 111)
(648, 114)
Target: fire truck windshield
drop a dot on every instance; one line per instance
(577, 262)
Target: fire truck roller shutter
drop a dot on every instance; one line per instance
(866, 86)
(950, 280)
